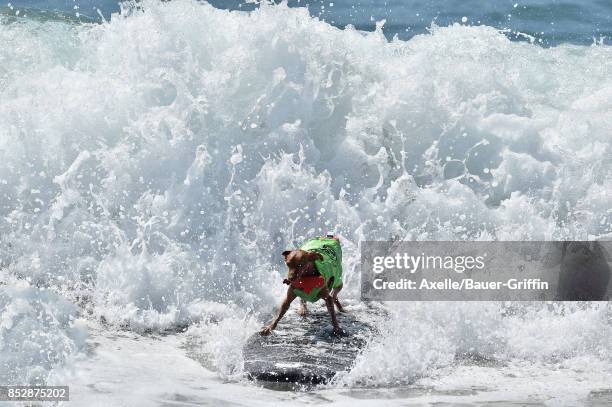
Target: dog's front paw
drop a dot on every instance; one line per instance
(266, 330)
(338, 331)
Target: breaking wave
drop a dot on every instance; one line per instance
(154, 167)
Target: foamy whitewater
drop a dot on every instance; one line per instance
(154, 167)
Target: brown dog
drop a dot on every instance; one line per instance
(302, 272)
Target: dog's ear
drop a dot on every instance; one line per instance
(312, 256)
(286, 253)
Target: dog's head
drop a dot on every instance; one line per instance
(299, 263)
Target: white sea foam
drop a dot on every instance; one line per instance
(157, 165)
(39, 332)
(422, 337)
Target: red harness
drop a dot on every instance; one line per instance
(308, 283)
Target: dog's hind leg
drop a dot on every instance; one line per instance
(334, 295)
(302, 310)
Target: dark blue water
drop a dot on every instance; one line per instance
(550, 21)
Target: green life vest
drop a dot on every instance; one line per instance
(330, 266)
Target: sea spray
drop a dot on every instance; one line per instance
(159, 163)
(39, 331)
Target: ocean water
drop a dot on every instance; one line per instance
(154, 165)
(548, 22)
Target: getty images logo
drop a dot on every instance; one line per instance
(412, 264)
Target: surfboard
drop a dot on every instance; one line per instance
(304, 351)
